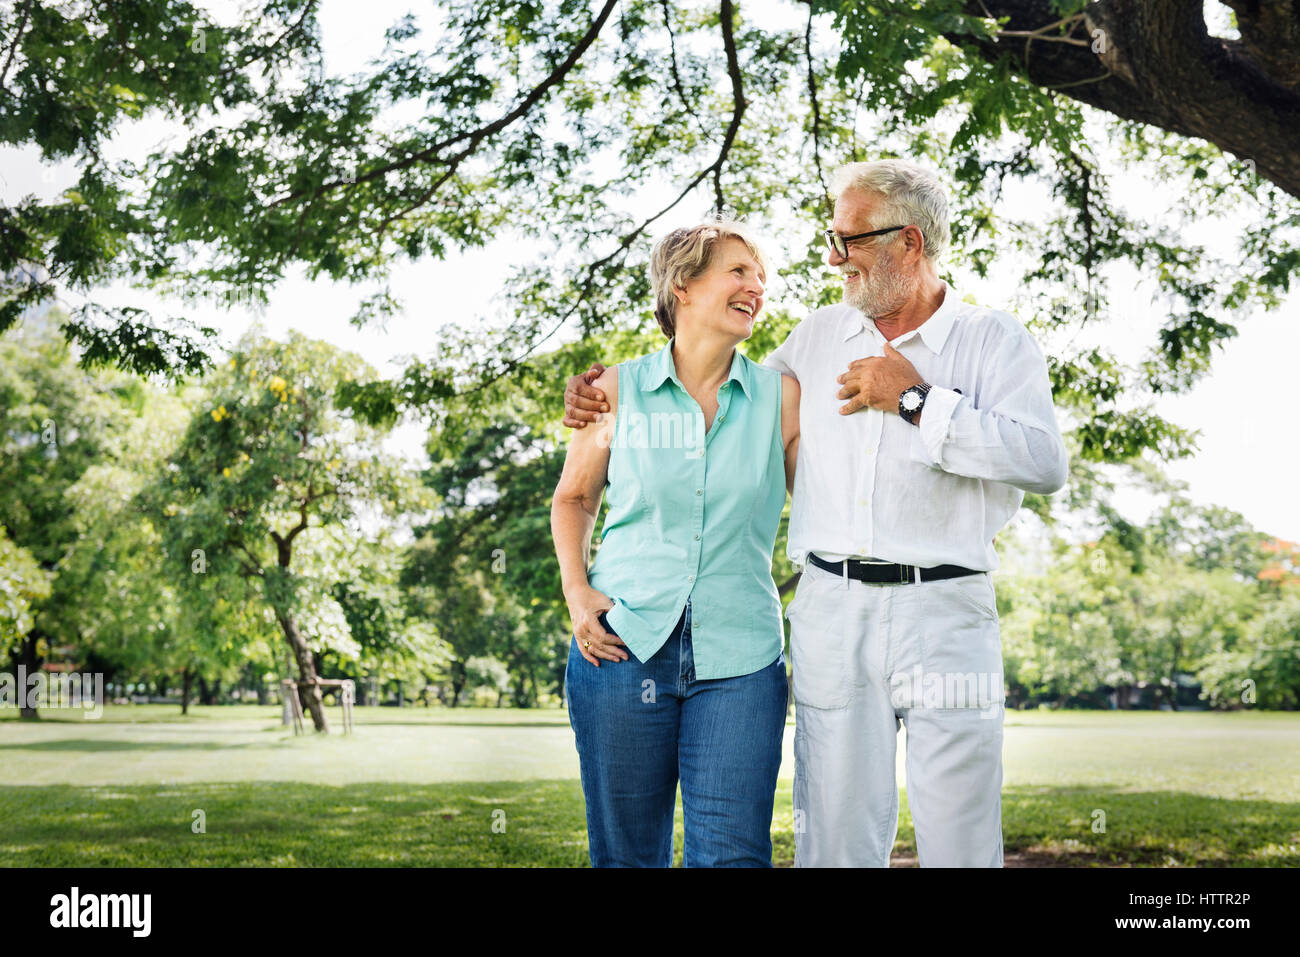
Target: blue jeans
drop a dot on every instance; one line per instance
(640, 727)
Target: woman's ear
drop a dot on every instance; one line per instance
(680, 293)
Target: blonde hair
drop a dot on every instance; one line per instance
(686, 254)
(912, 196)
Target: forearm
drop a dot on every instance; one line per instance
(572, 523)
(791, 459)
(994, 445)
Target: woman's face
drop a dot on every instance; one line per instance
(729, 295)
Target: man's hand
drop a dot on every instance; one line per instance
(582, 403)
(875, 382)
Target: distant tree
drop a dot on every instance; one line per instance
(23, 583)
(56, 422)
(1261, 669)
(268, 457)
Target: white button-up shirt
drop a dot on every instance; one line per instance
(871, 485)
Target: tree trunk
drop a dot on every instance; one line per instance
(187, 679)
(1138, 59)
(458, 679)
(209, 693)
(26, 656)
(308, 689)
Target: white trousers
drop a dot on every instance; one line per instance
(866, 657)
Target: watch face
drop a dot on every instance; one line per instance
(911, 401)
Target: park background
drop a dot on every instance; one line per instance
(290, 294)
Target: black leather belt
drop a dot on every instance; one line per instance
(891, 574)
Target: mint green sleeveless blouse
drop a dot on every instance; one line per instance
(695, 515)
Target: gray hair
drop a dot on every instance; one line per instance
(686, 254)
(912, 196)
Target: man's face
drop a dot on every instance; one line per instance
(874, 282)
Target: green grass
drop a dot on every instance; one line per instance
(425, 787)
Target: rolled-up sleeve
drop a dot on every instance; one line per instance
(1008, 433)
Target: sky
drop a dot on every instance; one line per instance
(1246, 450)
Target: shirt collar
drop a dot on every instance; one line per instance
(933, 332)
(662, 368)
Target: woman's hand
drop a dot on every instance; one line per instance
(594, 642)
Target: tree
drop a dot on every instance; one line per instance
(584, 127)
(1137, 58)
(23, 583)
(117, 608)
(57, 421)
(1185, 615)
(266, 458)
(1262, 668)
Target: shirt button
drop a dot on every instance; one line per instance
(862, 501)
(699, 491)
(697, 538)
(690, 578)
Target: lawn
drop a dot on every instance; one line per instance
(500, 787)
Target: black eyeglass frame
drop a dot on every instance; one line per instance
(842, 246)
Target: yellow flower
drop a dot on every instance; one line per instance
(219, 413)
(226, 472)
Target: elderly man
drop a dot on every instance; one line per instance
(924, 421)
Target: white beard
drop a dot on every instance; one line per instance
(884, 292)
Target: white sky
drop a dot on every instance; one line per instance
(1245, 454)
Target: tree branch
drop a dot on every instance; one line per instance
(816, 113)
(475, 137)
(126, 43)
(672, 61)
(264, 53)
(18, 35)
(737, 97)
(1145, 55)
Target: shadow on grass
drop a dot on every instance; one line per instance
(93, 745)
(542, 823)
(458, 724)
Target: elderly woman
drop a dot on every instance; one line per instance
(676, 669)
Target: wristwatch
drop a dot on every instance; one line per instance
(912, 401)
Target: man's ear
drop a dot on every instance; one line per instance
(913, 243)
(680, 293)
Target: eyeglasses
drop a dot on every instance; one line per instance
(840, 244)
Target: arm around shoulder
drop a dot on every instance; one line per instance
(790, 426)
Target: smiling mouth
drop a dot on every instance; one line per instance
(744, 307)
(850, 274)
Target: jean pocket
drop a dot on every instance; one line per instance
(604, 623)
